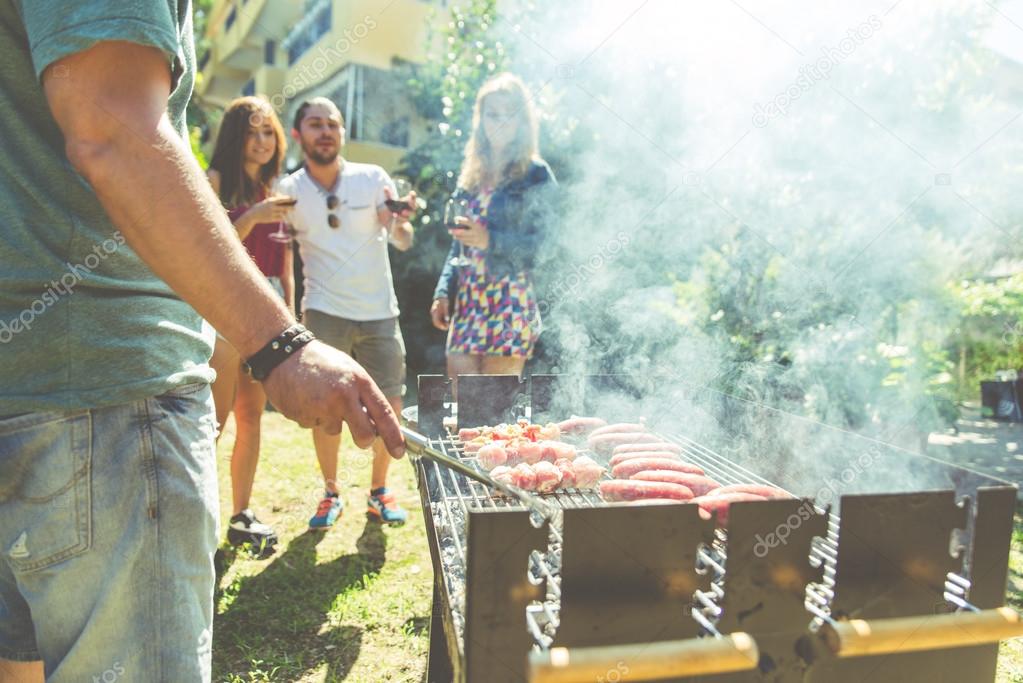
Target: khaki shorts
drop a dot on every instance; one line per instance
(375, 344)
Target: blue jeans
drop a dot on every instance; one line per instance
(108, 525)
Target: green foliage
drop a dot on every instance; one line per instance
(990, 330)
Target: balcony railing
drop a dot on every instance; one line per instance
(314, 25)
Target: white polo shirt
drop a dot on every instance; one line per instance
(347, 270)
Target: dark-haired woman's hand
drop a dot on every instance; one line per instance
(270, 210)
(439, 314)
(471, 234)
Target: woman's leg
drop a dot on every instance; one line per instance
(503, 365)
(248, 411)
(226, 362)
(463, 364)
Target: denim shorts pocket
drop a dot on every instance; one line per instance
(47, 507)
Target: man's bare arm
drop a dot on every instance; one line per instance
(110, 101)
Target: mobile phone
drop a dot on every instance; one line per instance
(288, 201)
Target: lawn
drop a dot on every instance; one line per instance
(353, 604)
(350, 604)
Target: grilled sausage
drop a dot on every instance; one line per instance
(628, 468)
(580, 425)
(619, 428)
(605, 443)
(691, 480)
(652, 446)
(768, 492)
(720, 503)
(625, 457)
(627, 489)
(699, 484)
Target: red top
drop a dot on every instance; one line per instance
(267, 253)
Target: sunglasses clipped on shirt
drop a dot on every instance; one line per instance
(332, 218)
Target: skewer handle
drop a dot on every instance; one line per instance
(646, 661)
(858, 637)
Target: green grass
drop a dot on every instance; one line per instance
(353, 603)
(350, 604)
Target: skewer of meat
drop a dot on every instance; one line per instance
(492, 455)
(547, 477)
(628, 468)
(587, 472)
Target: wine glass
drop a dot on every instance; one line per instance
(283, 233)
(456, 208)
(401, 189)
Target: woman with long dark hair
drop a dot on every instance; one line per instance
(505, 188)
(246, 161)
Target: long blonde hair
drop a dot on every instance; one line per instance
(479, 169)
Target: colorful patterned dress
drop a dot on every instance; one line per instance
(494, 316)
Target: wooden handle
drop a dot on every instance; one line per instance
(645, 661)
(856, 637)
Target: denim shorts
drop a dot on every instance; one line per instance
(108, 524)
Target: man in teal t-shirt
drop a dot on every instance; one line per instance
(112, 250)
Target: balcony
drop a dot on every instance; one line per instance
(314, 25)
(239, 33)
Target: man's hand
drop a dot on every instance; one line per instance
(321, 386)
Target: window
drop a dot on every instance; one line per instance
(249, 88)
(231, 16)
(313, 26)
(270, 52)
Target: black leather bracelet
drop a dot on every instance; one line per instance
(277, 351)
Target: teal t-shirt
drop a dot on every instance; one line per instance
(84, 323)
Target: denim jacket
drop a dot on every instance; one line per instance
(517, 217)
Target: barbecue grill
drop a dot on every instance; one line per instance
(855, 582)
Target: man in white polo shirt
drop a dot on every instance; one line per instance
(342, 226)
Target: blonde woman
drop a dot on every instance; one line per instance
(507, 187)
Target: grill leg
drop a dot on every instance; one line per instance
(438, 666)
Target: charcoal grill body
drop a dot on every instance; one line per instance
(629, 574)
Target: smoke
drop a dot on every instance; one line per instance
(787, 192)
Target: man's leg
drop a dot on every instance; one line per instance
(111, 537)
(20, 672)
(381, 458)
(339, 333)
(380, 349)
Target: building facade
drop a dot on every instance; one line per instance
(347, 50)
